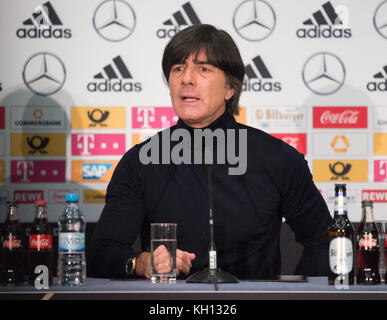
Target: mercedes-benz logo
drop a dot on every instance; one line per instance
(44, 73)
(380, 19)
(114, 20)
(254, 20)
(323, 73)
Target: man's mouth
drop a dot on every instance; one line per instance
(189, 98)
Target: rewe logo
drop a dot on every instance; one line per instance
(296, 140)
(374, 195)
(45, 23)
(380, 82)
(329, 22)
(84, 144)
(258, 78)
(180, 19)
(95, 171)
(114, 77)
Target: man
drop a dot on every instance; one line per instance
(205, 73)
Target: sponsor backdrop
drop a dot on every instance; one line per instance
(81, 82)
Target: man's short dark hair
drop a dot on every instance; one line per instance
(221, 52)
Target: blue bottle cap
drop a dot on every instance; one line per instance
(71, 197)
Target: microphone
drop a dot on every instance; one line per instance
(212, 274)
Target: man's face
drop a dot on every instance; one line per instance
(198, 91)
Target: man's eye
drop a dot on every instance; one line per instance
(178, 68)
(204, 69)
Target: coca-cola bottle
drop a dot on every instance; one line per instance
(367, 246)
(13, 248)
(40, 242)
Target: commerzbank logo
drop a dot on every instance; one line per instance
(254, 20)
(114, 77)
(44, 73)
(114, 20)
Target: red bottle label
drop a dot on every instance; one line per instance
(40, 241)
(12, 243)
(367, 242)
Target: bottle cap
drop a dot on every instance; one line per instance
(367, 204)
(71, 197)
(40, 202)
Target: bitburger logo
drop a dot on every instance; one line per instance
(329, 22)
(44, 23)
(115, 77)
(258, 77)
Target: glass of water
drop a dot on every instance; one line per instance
(163, 252)
(381, 226)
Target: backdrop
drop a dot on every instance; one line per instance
(81, 82)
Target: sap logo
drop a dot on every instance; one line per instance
(95, 171)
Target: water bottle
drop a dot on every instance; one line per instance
(71, 244)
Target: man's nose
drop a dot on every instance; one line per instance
(188, 77)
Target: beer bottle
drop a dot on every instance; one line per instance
(367, 246)
(341, 238)
(40, 243)
(13, 248)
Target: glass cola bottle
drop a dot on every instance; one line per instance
(13, 248)
(40, 243)
(341, 241)
(367, 247)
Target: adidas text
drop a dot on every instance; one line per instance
(326, 32)
(115, 86)
(167, 33)
(259, 85)
(374, 86)
(47, 33)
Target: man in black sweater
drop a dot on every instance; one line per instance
(271, 181)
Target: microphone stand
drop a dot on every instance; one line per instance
(212, 274)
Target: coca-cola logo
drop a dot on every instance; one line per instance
(340, 117)
(40, 241)
(367, 242)
(346, 117)
(12, 243)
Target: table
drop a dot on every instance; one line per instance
(316, 288)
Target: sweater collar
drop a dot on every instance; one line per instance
(223, 122)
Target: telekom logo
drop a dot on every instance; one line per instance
(380, 170)
(26, 171)
(339, 117)
(85, 144)
(153, 117)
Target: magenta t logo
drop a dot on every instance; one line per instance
(86, 144)
(380, 170)
(153, 117)
(26, 171)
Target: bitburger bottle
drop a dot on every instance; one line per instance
(367, 247)
(40, 243)
(341, 239)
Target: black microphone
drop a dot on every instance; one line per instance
(212, 274)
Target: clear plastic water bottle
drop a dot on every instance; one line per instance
(71, 249)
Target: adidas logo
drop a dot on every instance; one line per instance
(44, 23)
(181, 18)
(114, 77)
(380, 84)
(258, 77)
(329, 22)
